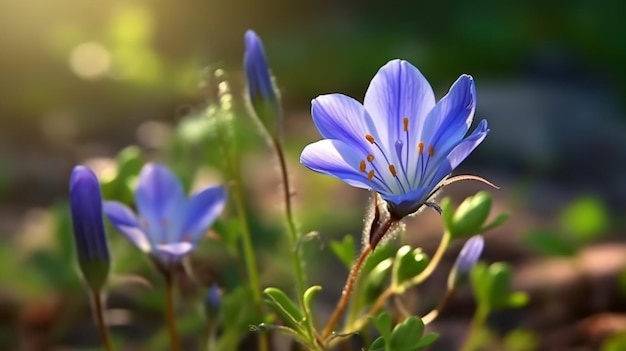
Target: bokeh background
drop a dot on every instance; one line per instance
(79, 81)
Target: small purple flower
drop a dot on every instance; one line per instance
(399, 142)
(91, 243)
(169, 224)
(469, 255)
(258, 78)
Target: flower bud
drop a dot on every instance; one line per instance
(261, 91)
(408, 264)
(91, 243)
(469, 218)
(213, 301)
(469, 255)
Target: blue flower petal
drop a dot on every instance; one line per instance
(172, 251)
(126, 223)
(409, 199)
(460, 152)
(202, 210)
(335, 158)
(160, 201)
(464, 148)
(450, 119)
(398, 91)
(341, 117)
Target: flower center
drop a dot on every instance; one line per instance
(382, 171)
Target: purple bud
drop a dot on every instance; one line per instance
(91, 243)
(214, 296)
(258, 76)
(470, 253)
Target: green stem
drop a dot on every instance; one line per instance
(391, 291)
(434, 262)
(102, 328)
(478, 321)
(248, 252)
(232, 166)
(170, 313)
(291, 226)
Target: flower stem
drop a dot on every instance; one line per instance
(248, 252)
(232, 165)
(434, 262)
(170, 314)
(480, 316)
(99, 309)
(430, 316)
(354, 272)
(291, 225)
(391, 291)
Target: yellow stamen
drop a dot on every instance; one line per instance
(431, 150)
(370, 138)
(370, 158)
(406, 124)
(370, 175)
(362, 166)
(421, 147)
(392, 169)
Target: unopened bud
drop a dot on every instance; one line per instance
(91, 244)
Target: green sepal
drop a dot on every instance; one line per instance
(408, 264)
(95, 272)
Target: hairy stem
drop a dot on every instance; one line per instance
(381, 230)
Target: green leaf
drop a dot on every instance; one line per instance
(550, 244)
(344, 250)
(616, 342)
(518, 299)
(406, 335)
(481, 283)
(500, 219)
(284, 307)
(427, 340)
(500, 286)
(307, 299)
(378, 344)
(382, 323)
(520, 340)
(586, 219)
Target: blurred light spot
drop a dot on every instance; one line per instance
(153, 134)
(90, 60)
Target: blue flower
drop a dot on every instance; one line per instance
(169, 224)
(399, 142)
(91, 243)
